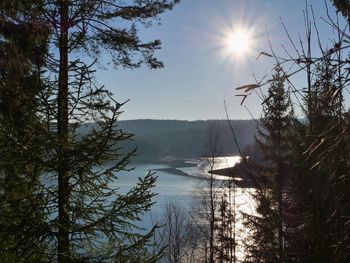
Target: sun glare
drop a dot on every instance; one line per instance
(239, 42)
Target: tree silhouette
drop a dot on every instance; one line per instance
(274, 139)
(86, 218)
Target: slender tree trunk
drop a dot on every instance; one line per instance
(212, 219)
(222, 229)
(233, 228)
(205, 253)
(280, 225)
(278, 182)
(310, 113)
(62, 132)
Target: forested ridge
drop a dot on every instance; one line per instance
(157, 139)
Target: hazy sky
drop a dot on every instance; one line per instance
(200, 73)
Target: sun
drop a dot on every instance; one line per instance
(239, 42)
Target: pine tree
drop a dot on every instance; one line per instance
(86, 218)
(225, 229)
(344, 7)
(273, 138)
(322, 169)
(22, 50)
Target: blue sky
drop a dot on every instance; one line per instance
(199, 73)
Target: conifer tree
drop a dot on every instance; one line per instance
(315, 220)
(323, 161)
(273, 138)
(344, 7)
(86, 218)
(23, 48)
(225, 228)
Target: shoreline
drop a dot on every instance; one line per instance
(173, 170)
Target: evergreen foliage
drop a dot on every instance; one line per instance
(311, 208)
(321, 178)
(71, 188)
(343, 6)
(274, 134)
(225, 227)
(23, 226)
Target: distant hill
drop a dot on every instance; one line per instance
(158, 139)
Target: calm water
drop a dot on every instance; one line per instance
(169, 187)
(203, 165)
(180, 188)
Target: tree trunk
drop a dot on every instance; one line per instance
(62, 132)
(212, 219)
(278, 185)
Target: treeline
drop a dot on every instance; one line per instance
(159, 139)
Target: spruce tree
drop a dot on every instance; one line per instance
(343, 6)
(225, 228)
(273, 138)
(23, 48)
(86, 218)
(320, 185)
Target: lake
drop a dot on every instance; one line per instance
(169, 187)
(180, 188)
